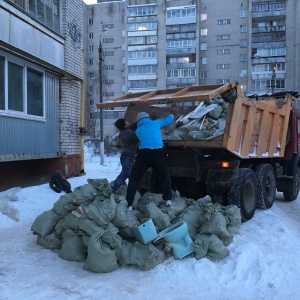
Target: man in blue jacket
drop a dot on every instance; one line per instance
(150, 154)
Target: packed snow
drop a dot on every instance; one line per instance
(264, 259)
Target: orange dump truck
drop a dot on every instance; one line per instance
(237, 150)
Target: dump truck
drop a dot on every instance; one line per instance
(253, 152)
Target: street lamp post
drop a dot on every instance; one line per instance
(101, 100)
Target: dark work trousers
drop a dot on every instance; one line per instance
(145, 159)
(127, 160)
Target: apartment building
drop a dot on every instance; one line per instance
(40, 90)
(170, 43)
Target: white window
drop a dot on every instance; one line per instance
(203, 75)
(243, 28)
(223, 51)
(91, 61)
(243, 57)
(204, 60)
(91, 22)
(224, 21)
(243, 73)
(91, 48)
(243, 43)
(243, 13)
(223, 66)
(91, 35)
(203, 17)
(92, 102)
(203, 32)
(203, 46)
(24, 93)
(221, 81)
(223, 37)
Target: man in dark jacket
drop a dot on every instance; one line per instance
(129, 142)
(150, 154)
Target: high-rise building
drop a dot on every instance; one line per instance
(159, 44)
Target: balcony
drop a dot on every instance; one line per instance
(268, 29)
(268, 14)
(181, 81)
(181, 50)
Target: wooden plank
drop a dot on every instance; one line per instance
(274, 137)
(235, 126)
(263, 132)
(188, 94)
(247, 133)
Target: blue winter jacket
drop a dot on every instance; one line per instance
(148, 132)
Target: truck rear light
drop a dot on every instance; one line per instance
(225, 164)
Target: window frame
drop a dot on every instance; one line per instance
(26, 67)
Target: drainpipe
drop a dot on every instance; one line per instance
(82, 130)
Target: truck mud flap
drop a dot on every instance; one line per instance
(223, 178)
(283, 182)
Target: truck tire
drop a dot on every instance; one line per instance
(266, 186)
(244, 193)
(291, 193)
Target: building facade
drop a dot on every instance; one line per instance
(40, 90)
(171, 43)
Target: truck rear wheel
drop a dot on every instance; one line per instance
(244, 193)
(291, 194)
(266, 186)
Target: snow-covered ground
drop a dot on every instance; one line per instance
(264, 260)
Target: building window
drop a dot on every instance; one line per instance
(203, 32)
(108, 67)
(91, 35)
(91, 89)
(109, 53)
(92, 116)
(180, 28)
(91, 61)
(243, 43)
(243, 57)
(24, 92)
(142, 69)
(223, 66)
(203, 46)
(181, 73)
(91, 21)
(223, 37)
(224, 21)
(108, 40)
(271, 51)
(243, 73)
(142, 10)
(203, 75)
(243, 28)
(108, 81)
(142, 54)
(91, 48)
(181, 43)
(92, 102)
(142, 40)
(91, 75)
(223, 51)
(107, 26)
(203, 17)
(108, 94)
(141, 26)
(243, 13)
(150, 83)
(204, 60)
(182, 12)
(221, 81)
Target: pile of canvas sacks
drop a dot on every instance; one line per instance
(92, 225)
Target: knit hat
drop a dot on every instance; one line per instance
(120, 124)
(142, 115)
